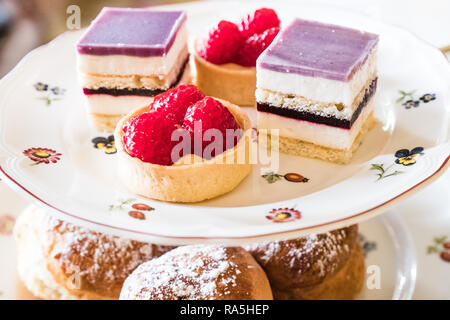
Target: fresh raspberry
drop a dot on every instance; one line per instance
(258, 22)
(210, 114)
(222, 45)
(148, 137)
(174, 102)
(254, 46)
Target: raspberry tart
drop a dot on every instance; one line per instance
(127, 56)
(225, 61)
(167, 152)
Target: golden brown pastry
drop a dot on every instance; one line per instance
(230, 81)
(199, 273)
(323, 266)
(58, 260)
(187, 180)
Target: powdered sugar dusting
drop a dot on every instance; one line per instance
(99, 260)
(320, 251)
(189, 272)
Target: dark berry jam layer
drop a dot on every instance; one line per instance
(136, 92)
(312, 117)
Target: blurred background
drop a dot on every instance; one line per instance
(26, 24)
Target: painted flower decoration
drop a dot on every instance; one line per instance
(441, 246)
(367, 245)
(137, 215)
(283, 215)
(6, 224)
(408, 157)
(427, 97)
(49, 95)
(106, 144)
(411, 104)
(39, 86)
(42, 155)
(57, 91)
(272, 177)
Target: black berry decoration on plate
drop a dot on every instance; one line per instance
(107, 144)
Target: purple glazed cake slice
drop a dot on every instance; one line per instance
(132, 32)
(315, 84)
(127, 56)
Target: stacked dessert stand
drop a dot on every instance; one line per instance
(80, 185)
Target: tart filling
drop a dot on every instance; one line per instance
(225, 60)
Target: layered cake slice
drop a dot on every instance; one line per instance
(128, 56)
(315, 83)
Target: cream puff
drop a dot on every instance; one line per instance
(327, 266)
(58, 260)
(199, 273)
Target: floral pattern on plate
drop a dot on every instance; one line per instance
(42, 155)
(441, 246)
(135, 209)
(403, 157)
(367, 245)
(408, 157)
(272, 177)
(106, 144)
(283, 215)
(412, 102)
(6, 224)
(49, 93)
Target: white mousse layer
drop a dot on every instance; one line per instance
(318, 89)
(320, 134)
(115, 105)
(130, 65)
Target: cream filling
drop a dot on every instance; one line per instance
(95, 81)
(120, 105)
(319, 134)
(111, 105)
(319, 89)
(130, 65)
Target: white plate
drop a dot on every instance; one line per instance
(81, 186)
